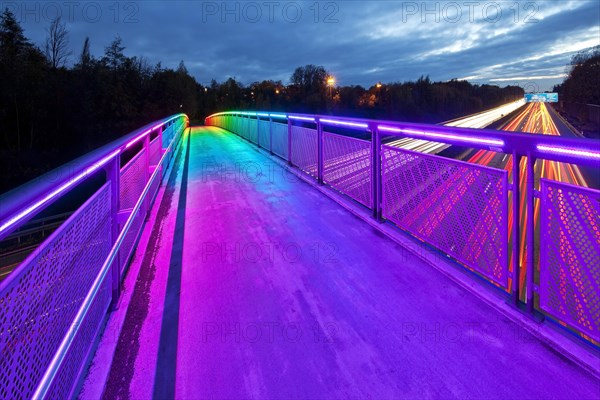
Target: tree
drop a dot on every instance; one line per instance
(582, 85)
(85, 58)
(309, 87)
(57, 42)
(12, 39)
(113, 54)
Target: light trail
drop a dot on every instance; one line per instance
(479, 120)
(536, 119)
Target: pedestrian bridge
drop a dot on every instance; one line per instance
(270, 255)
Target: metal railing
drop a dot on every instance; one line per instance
(468, 211)
(54, 304)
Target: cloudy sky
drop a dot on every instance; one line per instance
(524, 43)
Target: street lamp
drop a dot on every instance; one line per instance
(330, 83)
(379, 85)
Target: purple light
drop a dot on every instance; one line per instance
(35, 206)
(569, 152)
(344, 123)
(301, 118)
(137, 139)
(442, 136)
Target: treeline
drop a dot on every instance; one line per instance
(56, 105)
(418, 101)
(582, 84)
(579, 94)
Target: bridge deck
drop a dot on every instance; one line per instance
(255, 285)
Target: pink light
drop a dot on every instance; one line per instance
(137, 139)
(569, 152)
(344, 123)
(71, 182)
(301, 118)
(442, 136)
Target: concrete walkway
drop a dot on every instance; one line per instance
(255, 285)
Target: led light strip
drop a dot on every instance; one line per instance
(442, 136)
(137, 139)
(76, 179)
(344, 123)
(301, 118)
(282, 116)
(569, 152)
(62, 188)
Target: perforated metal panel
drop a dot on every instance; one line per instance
(243, 128)
(237, 124)
(155, 151)
(127, 248)
(570, 255)
(64, 386)
(252, 130)
(133, 180)
(304, 149)
(280, 139)
(458, 207)
(264, 134)
(347, 166)
(40, 298)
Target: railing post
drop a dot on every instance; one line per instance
(271, 135)
(146, 207)
(113, 175)
(258, 130)
(516, 248)
(289, 134)
(530, 190)
(320, 165)
(376, 181)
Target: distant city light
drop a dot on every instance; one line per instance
(379, 85)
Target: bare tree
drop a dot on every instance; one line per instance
(57, 43)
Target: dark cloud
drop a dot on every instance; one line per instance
(361, 42)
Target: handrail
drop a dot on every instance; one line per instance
(59, 356)
(555, 148)
(367, 167)
(24, 202)
(34, 285)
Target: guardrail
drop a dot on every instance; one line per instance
(54, 303)
(468, 211)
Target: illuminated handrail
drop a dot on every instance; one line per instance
(59, 357)
(24, 202)
(361, 176)
(32, 282)
(555, 148)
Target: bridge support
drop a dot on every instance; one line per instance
(289, 141)
(516, 234)
(270, 135)
(376, 172)
(320, 165)
(530, 271)
(113, 175)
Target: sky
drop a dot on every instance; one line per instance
(525, 43)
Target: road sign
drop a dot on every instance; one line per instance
(541, 97)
